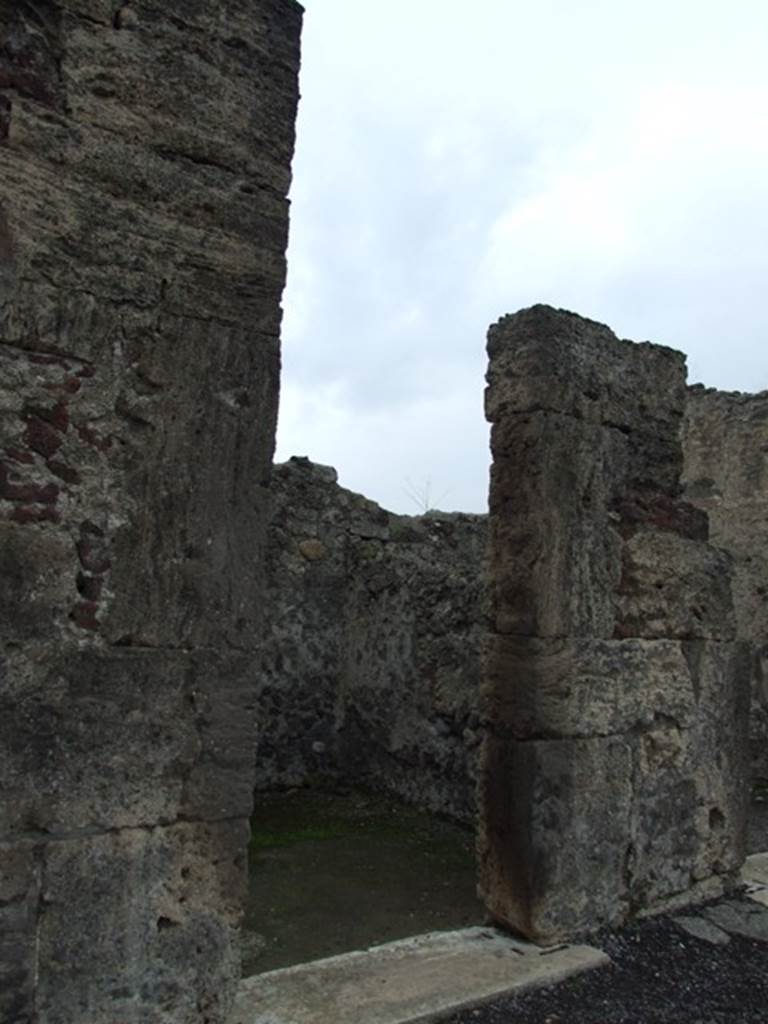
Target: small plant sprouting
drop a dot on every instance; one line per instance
(422, 495)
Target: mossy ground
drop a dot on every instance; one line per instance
(332, 871)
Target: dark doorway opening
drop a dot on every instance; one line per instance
(338, 869)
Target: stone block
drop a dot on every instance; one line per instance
(556, 360)
(221, 693)
(581, 833)
(542, 359)
(681, 710)
(108, 84)
(676, 711)
(151, 936)
(548, 468)
(37, 582)
(554, 834)
(20, 877)
(674, 586)
(721, 753)
(210, 514)
(746, 918)
(437, 976)
(666, 824)
(581, 688)
(702, 929)
(97, 743)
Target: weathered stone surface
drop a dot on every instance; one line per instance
(21, 870)
(551, 856)
(586, 374)
(614, 452)
(613, 775)
(419, 979)
(174, 958)
(528, 507)
(144, 164)
(702, 929)
(97, 744)
(674, 586)
(725, 440)
(577, 688)
(744, 917)
(755, 870)
(38, 584)
(371, 665)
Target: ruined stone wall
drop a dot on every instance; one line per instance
(372, 663)
(725, 441)
(614, 774)
(144, 162)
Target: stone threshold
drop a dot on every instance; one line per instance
(754, 874)
(413, 980)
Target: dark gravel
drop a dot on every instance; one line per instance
(658, 975)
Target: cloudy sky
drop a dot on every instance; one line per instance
(456, 162)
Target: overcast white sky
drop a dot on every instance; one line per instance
(459, 161)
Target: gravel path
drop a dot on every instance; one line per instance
(658, 975)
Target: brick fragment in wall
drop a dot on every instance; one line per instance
(46, 472)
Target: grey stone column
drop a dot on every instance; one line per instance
(613, 776)
(145, 156)
(725, 442)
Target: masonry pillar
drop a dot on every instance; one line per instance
(145, 156)
(614, 771)
(725, 442)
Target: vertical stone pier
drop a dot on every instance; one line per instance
(145, 154)
(725, 440)
(614, 771)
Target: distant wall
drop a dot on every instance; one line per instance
(725, 440)
(145, 156)
(614, 775)
(371, 669)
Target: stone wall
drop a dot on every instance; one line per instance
(726, 473)
(372, 661)
(614, 773)
(144, 162)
